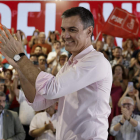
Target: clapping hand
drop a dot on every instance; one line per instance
(125, 113)
(9, 47)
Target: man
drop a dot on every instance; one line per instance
(10, 126)
(42, 62)
(109, 46)
(118, 58)
(43, 125)
(53, 57)
(46, 48)
(26, 112)
(82, 86)
(127, 125)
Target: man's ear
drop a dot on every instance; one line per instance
(89, 31)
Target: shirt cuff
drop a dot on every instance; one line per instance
(113, 132)
(138, 126)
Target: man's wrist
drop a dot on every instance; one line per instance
(121, 123)
(129, 119)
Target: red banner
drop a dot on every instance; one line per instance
(122, 24)
(46, 15)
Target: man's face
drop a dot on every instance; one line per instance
(129, 44)
(76, 39)
(127, 103)
(42, 38)
(2, 103)
(33, 58)
(1, 87)
(37, 50)
(8, 75)
(62, 61)
(41, 60)
(117, 53)
(57, 46)
(51, 110)
(99, 46)
(110, 40)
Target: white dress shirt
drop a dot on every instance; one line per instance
(83, 87)
(1, 125)
(38, 122)
(26, 112)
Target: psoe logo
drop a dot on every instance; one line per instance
(117, 19)
(131, 24)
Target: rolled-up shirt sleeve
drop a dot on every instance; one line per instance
(73, 79)
(114, 122)
(138, 126)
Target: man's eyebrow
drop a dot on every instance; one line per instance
(73, 27)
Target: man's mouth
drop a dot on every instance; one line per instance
(68, 42)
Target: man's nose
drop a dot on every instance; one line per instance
(66, 34)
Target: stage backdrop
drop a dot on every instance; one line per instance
(46, 15)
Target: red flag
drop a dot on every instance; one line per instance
(99, 22)
(121, 24)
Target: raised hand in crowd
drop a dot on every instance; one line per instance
(120, 60)
(126, 114)
(49, 126)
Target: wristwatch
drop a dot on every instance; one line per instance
(121, 123)
(18, 56)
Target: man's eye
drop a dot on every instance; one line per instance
(72, 30)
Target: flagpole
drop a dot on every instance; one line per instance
(97, 37)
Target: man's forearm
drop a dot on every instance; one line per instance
(28, 88)
(117, 127)
(133, 122)
(28, 70)
(37, 132)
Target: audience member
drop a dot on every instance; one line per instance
(42, 62)
(118, 87)
(134, 68)
(10, 126)
(62, 60)
(118, 58)
(128, 49)
(34, 38)
(26, 112)
(127, 125)
(52, 37)
(99, 47)
(132, 92)
(43, 125)
(46, 48)
(109, 46)
(38, 50)
(8, 82)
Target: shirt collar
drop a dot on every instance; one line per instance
(81, 54)
(2, 113)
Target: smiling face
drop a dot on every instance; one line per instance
(76, 38)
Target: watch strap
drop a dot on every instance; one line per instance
(121, 123)
(21, 54)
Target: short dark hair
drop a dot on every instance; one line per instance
(11, 72)
(33, 54)
(84, 14)
(117, 47)
(42, 54)
(2, 94)
(56, 42)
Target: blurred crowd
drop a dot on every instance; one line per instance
(49, 55)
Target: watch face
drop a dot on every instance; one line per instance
(16, 57)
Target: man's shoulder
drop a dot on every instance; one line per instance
(95, 56)
(10, 113)
(40, 114)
